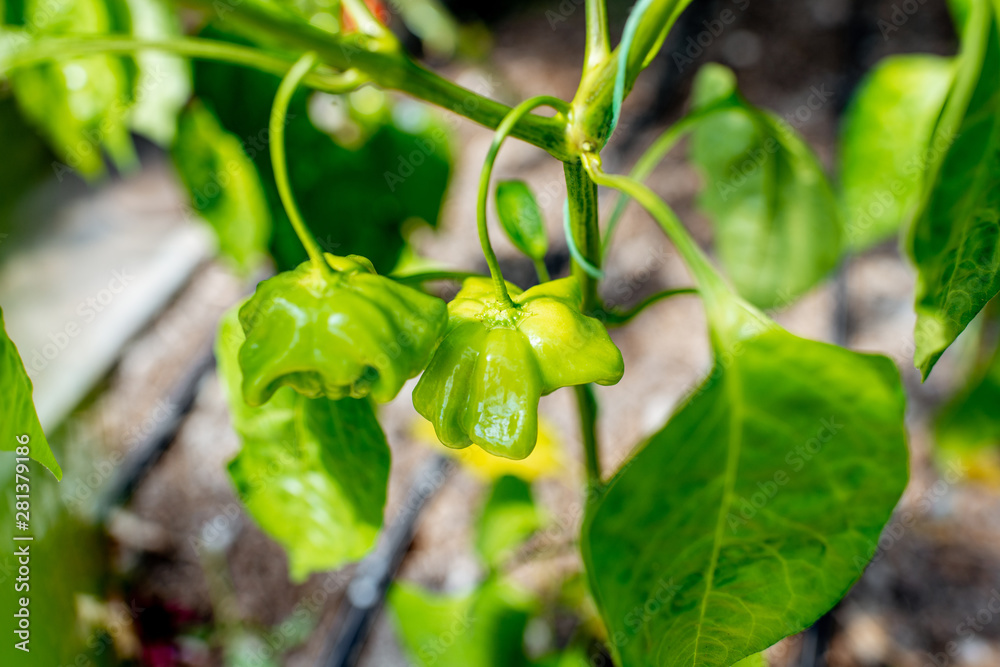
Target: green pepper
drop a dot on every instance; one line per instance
(346, 332)
(483, 384)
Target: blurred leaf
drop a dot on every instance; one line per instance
(776, 221)
(164, 81)
(956, 234)
(970, 422)
(886, 132)
(960, 10)
(312, 472)
(223, 186)
(521, 218)
(546, 460)
(755, 508)
(484, 628)
(19, 416)
(508, 518)
(355, 201)
(80, 105)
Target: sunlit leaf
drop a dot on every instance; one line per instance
(756, 507)
(777, 225)
(164, 80)
(484, 628)
(20, 425)
(884, 142)
(956, 234)
(223, 186)
(312, 472)
(521, 218)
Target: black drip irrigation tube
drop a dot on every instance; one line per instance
(367, 589)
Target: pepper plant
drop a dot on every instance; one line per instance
(754, 509)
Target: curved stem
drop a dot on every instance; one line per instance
(428, 276)
(649, 160)
(619, 318)
(715, 293)
(542, 271)
(504, 129)
(279, 112)
(192, 47)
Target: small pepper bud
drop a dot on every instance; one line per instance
(483, 384)
(349, 332)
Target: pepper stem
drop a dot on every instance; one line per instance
(279, 112)
(503, 129)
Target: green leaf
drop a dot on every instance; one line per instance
(508, 518)
(223, 185)
(20, 426)
(521, 218)
(756, 507)
(755, 660)
(356, 199)
(484, 628)
(164, 80)
(777, 225)
(887, 128)
(971, 421)
(960, 10)
(956, 236)
(80, 105)
(312, 472)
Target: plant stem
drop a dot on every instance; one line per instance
(192, 47)
(279, 112)
(504, 129)
(728, 314)
(429, 276)
(649, 160)
(586, 404)
(598, 48)
(389, 67)
(542, 271)
(618, 318)
(581, 193)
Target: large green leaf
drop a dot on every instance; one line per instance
(886, 131)
(312, 472)
(956, 235)
(777, 224)
(357, 198)
(484, 628)
(223, 186)
(755, 508)
(20, 426)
